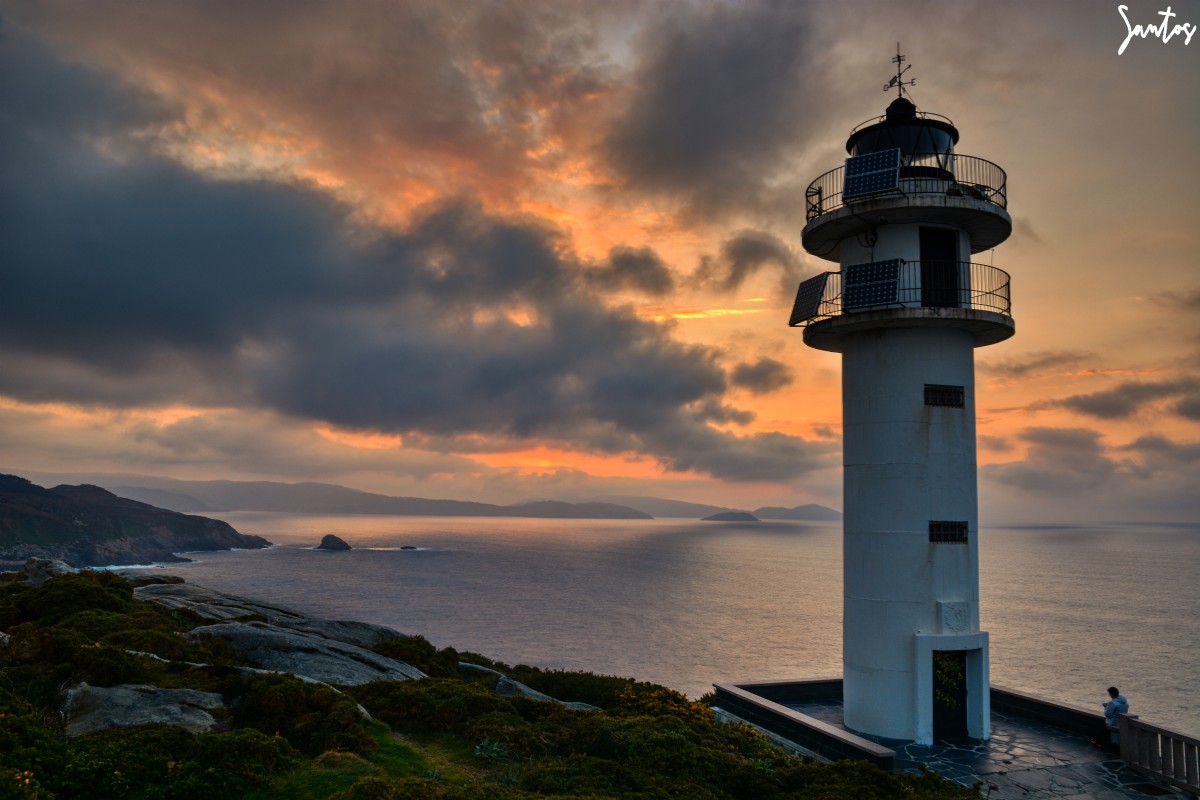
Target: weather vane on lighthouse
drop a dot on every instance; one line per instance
(897, 80)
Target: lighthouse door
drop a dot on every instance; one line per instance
(949, 694)
(939, 268)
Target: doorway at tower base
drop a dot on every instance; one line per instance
(944, 695)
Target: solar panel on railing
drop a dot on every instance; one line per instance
(871, 284)
(872, 173)
(808, 299)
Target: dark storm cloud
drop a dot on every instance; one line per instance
(135, 280)
(764, 375)
(452, 81)
(721, 95)
(637, 268)
(743, 256)
(1126, 399)
(1037, 363)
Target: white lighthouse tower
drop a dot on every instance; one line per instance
(906, 310)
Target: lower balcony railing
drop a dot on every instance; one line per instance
(902, 284)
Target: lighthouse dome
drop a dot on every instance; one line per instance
(923, 138)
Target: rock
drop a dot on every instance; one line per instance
(731, 516)
(218, 607)
(39, 570)
(215, 606)
(331, 542)
(88, 709)
(408, 547)
(507, 687)
(138, 578)
(360, 634)
(282, 650)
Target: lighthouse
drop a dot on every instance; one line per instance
(907, 306)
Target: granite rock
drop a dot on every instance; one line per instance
(280, 649)
(37, 571)
(507, 687)
(220, 607)
(87, 709)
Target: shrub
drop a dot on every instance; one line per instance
(158, 762)
(433, 704)
(583, 687)
(312, 717)
(60, 597)
(418, 652)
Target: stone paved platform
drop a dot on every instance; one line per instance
(1023, 759)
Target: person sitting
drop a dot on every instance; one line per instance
(1117, 705)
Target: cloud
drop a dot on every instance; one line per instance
(1058, 460)
(1035, 363)
(480, 95)
(1188, 300)
(636, 268)
(1164, 453)
(744, 255)
(135, 279)
(763, 376)
(997, 444)
(1126, 399)
(1071, 473)
(722, 96)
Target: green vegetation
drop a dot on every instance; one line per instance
(448, 737)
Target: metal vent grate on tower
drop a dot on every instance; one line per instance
(937, 394)
(947, 532)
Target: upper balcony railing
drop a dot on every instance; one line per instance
(917, 284)
(965, 176)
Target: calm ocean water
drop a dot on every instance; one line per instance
(1070, 610)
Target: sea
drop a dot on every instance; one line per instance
(1070, 610)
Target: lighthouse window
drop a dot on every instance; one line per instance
(947, 532)
(937, 394)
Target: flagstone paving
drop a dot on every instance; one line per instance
(1024, 759)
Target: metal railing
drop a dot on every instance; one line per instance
(1161, 753)
(964, 176)
(926, 284)
(884, 118)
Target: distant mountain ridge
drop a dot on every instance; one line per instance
(327, 498)
(810, 512)
(215, 496)
(662, 507)
(89, 526)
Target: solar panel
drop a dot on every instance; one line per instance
(872, 173)
(871, 284)
(808, 299)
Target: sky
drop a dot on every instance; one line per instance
(509, 250)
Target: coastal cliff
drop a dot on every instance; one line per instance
(86, 526)
(140, 685)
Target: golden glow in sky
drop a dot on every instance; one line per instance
(504, 250)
